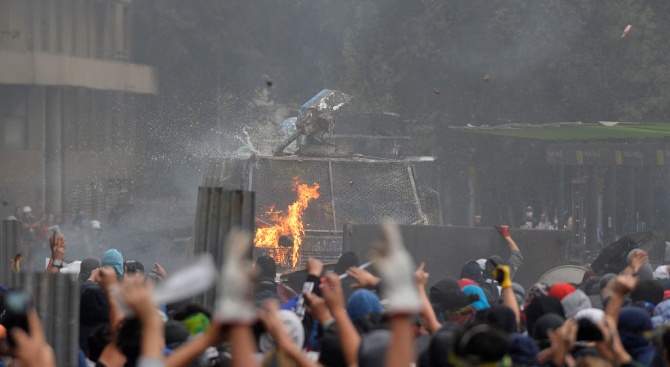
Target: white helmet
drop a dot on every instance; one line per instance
(26, 209)
(95, 224)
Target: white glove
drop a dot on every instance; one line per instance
(234, 303)
(396, 268)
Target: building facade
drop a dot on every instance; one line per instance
(69, 97)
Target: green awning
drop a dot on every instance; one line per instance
(573, 131)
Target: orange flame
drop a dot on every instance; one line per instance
(287, 223)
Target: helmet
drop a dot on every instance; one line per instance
(26, 209)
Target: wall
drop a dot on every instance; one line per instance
(446, 249)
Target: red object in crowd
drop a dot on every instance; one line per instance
(666, 295)
(503, 230)
(560, 290)
(464, 282)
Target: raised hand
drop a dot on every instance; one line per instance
(421, 276)
(106, 277)
(503, 230)
(331, 289)
(639, 260)
(316, 306)
(234, 304)
(364, 279)
(502, 274)
(563, 341)
(396, 268)
(158, 270)
(624, 284)
(314, 267)
(136, 294)
(32, 349)
(58, 245)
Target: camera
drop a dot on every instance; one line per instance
(131, 266)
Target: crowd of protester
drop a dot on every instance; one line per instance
(387, 316)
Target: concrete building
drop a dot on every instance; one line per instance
(69, 94)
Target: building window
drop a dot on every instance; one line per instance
(100, 29)
(125, 23)
(57, 18)
(5, 27)
(13, 133)
(44, 24)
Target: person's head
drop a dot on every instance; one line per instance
(362, 303)
(575, 302)
(441, 344)
(541, 327)
(267, 267)
(112, 258)
(541, 306)
(544, 217)
(95, 228)
(529, 212)
(471, 270)
(591, 286)
(86, 268)
(176, 334)
(661, 272)
(478, 219)
(523, 350)
(519, 293)
(634, 322)
(373, 348)
(499, 316)
(648, 290)
(292, 325)
(446, 296)
(560, 290)
(481, 344)
(195, 317)
(331, 349)
(661, 314)
(130, 337)
(27, 213)
(536, 290)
